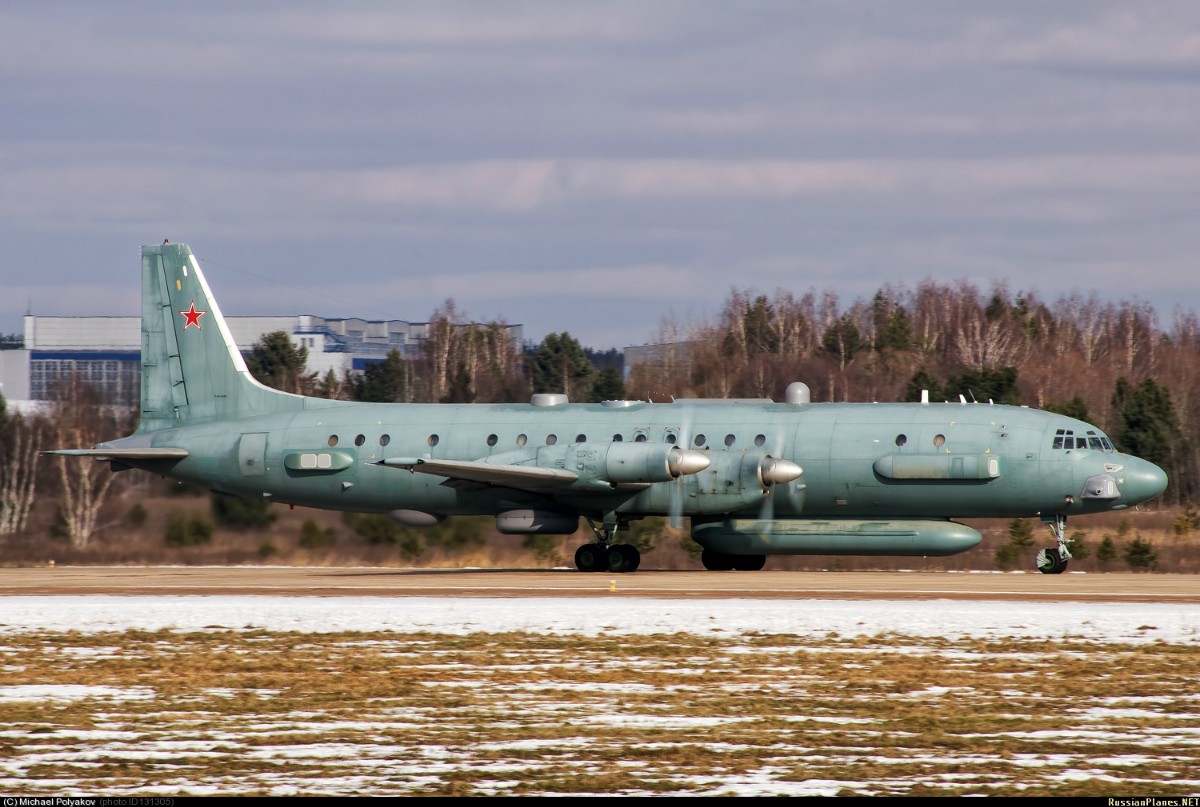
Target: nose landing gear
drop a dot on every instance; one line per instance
(1053, 559)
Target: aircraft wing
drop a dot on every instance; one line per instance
(521, 477)
(118, 454)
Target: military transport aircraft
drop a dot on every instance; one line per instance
(756, 477)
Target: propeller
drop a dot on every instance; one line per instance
(678, 487)
(774, 471)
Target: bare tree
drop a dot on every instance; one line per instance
(20, 441)
(80, 420)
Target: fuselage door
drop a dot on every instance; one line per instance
(252, 454)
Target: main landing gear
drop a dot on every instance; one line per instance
(1053, 559)
(605, 555)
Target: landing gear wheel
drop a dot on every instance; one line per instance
(749, 563)
(1050, 561)
(614, 559)
(716, 561)
(1053, 559)
(633, 558)
(589, 558)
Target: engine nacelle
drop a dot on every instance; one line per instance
(623, 463)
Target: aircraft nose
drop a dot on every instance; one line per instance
(1143, 480)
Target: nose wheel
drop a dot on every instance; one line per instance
(1053, 559)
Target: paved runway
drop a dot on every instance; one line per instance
(328, 581)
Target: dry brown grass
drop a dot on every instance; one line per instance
(425, 714)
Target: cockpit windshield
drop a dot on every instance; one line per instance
(1068, 440)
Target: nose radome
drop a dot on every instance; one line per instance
(1143, 480)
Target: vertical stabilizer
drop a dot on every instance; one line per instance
(192, 371)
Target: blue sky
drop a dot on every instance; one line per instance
(593, 167)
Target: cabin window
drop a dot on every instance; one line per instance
(939, 440)
(581, 438)
(433, 440)
(551, 439)
(730, 440)
(901, 439)
(760, 440)
(641, 438)
(360, 439)
(384, 439)
(700, 439)
(671, 438)
(492, 440)
(522, 439)
(617, 438)
(332, 441)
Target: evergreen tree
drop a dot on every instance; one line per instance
(893, 330)
(459, 388)
(383, 382)
(559, 364)
(1074, 408)
(988, 384)
(923, 380)
(1146, 425)
(609, 386)
(1140, 555)
(242, 512)
(277, 362)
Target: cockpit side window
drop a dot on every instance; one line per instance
(1058, 439)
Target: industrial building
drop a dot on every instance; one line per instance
(106, 351)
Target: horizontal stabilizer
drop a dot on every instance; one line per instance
(523, 477)
(106, 454)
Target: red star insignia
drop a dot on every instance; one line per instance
(192, 317)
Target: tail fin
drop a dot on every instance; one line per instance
(192, 371)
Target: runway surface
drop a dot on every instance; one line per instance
(328, 581)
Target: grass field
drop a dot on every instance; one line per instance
(251, 711)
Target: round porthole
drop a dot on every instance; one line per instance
(433, 440)
(700, 439)
(551, 439)
(901, 439)
(641, 438)
(360, 439)
(384, 439)
(730, 439)
(492, 439)
(671, 438)
(522, 439)
(760, 440)
(332, 441)
(939, 440)
(581, 438)
(617, 438)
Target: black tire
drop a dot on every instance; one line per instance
(749, 563)
(633, 558)
(589, 558)
(716, 561)
(615, 559)
(1050, 561)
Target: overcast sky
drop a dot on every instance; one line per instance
(591, 167)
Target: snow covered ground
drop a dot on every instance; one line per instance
(1121, 622)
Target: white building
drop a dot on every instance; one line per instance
(106, 351)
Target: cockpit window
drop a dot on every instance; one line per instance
(1067, 440)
